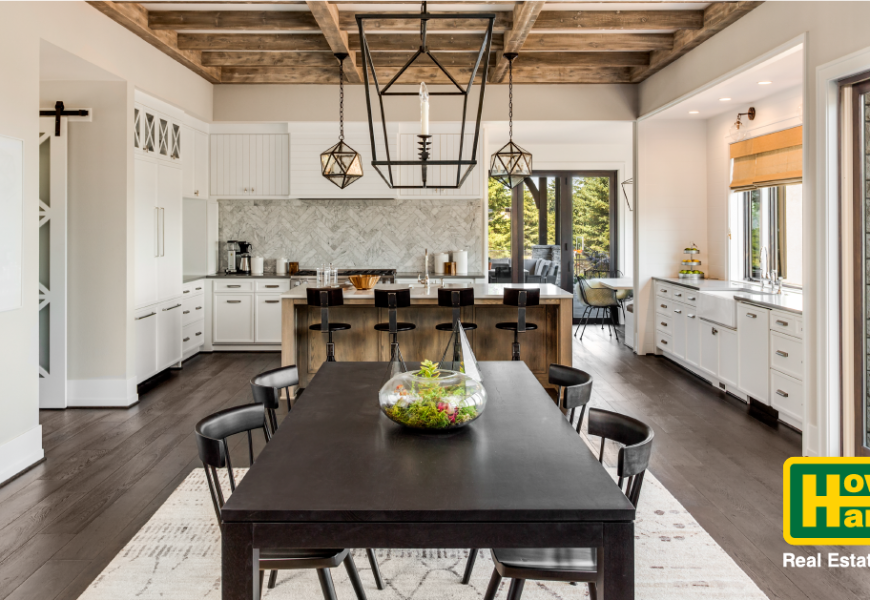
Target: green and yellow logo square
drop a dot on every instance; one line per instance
(826, 501)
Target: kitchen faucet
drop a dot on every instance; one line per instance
(765, 262)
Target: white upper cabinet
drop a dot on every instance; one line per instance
(306, 148)
(157, 129)
(445, 146)
(250, 165)
(195, 163)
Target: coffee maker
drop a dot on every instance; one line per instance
(245, 257)
(232, 252)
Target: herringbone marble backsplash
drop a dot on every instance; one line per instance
(354, 233)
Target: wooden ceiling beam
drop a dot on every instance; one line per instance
(180, 20)
(302, 42)
(270, 59)
(525, 14)
(502, 22)
(134, 17)
(326, 15)
(717, 17)
(581, 59)
(447, 59)
(589, 42)
(563, 20)
(409, 42)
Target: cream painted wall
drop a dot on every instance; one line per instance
(774, 113)
(97, 243)
(671, 212)
(320, 103)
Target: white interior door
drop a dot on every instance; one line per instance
(52, 264)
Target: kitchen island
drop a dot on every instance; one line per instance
(550, 343)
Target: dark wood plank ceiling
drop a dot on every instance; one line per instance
(295, 44)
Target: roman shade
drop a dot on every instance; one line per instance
(768, 160)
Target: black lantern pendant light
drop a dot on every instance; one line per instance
(511, 164)
(341, 164)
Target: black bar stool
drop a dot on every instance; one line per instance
(521, 298)
(394, 300)
(455, 298)
(324, 298)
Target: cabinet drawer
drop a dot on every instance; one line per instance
(663, 290)
(233, 286)
(664, 323)
(787, 323)
(276, 285)
(787, 396)
(192, 336)
(233, 318)
(193, 288)
(192, 309)
(787, 355)
(682, 294)
(664, 341)
(663, 306)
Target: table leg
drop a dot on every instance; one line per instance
(240, 563)
(618, 562)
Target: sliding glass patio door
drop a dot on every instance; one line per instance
(556, 226)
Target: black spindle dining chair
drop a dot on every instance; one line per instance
(267, 387)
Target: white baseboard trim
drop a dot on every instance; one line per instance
(19, 453)
(246, 347)
(102, 393)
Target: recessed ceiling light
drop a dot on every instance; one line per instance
(694, 112)
(724, 99)
(764, 82)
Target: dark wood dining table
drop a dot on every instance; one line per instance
(340, 474)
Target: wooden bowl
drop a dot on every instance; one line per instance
(364, 282)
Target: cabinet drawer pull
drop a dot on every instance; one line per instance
(663, 305)
(186, 292)
(781, 393)
(272, 301)
(679, 312)
(692, 298)
(691, 316)
(782, 323)
(678, 295)
(751, 316)
(197, 289)
(714, 331)
(146, 316)
(664, 324)
(663, 290)
(187, 312)
(273, 286)
(664, 342)
(198, 308)
(187, 339)
(782, 354)
(199, 333)
(234, 301)
(171, 307)
(234, 286)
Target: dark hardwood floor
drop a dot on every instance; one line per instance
(108, 470)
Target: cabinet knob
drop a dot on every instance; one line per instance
(691, 316)
(187, 339)
(782, 354)
(714, 331)
(663, 305)
(196, 193)
(679, 312)
(678, 295)
(751, 316)
(664, 342)
(198, 308)
(781, 393)
(199, 333)
(187, 312)
(663, 324)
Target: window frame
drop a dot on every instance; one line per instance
(775, 199)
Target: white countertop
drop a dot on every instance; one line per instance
(488, 291)
(789, 300)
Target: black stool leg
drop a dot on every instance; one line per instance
(469, 566)
(376, 570)
(515, 353)
(273, 579)
(330, 349)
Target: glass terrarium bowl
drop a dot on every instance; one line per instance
(439, 401)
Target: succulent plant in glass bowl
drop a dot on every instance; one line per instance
(432, 399)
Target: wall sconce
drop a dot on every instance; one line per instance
(737, 133)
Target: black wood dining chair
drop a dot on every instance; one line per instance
(522, 299)
(574, 389)
(324, 298)
(581, 565)
(214, 452)
(267, 387)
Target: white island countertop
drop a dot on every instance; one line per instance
(483, 291)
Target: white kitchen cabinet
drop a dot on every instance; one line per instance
(693, 338)
(787, 355)
(678, 319)
(250, 165)
(195, 163)
(787, 396)
(170, 262)
(192, 337)
(144, 129)
(168, 333)
(753, 342)
(233, 318)
(268, 318)
(145, 226)
(145, 330)
(728, 366)
(709, 360)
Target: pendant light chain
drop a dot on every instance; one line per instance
(511, 99)
(341, 99)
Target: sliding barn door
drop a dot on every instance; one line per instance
(52, 263)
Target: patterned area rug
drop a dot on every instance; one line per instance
(176, 556)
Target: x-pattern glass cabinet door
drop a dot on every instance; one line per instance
(861, 261)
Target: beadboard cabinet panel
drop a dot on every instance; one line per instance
(445, 146)
(250, 165)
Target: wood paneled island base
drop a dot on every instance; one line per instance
(550, 343)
